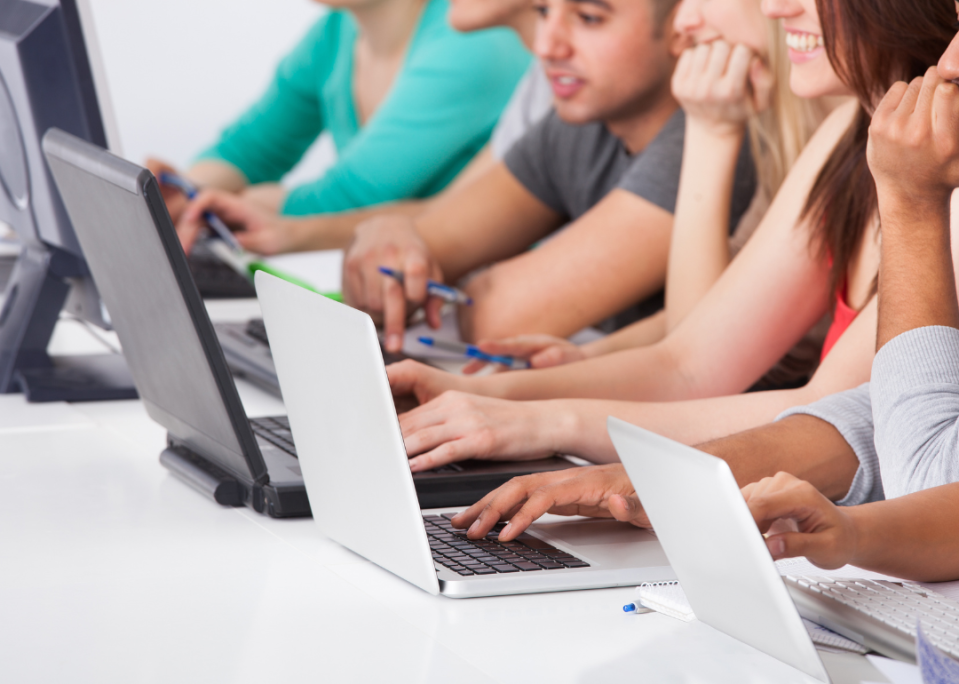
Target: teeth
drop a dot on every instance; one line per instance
(566, 80)
(803, 42)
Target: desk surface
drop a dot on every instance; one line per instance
(114, 571)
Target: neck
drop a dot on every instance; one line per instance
(644, 122)
(386, 25)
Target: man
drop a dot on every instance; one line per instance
(263, 232)
(606, 161)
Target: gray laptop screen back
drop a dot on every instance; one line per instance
(139, 267)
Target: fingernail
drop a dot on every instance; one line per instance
(626, 504)
(777, 546)
(474, 528)
(505, 530)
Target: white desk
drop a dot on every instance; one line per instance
(114, 571)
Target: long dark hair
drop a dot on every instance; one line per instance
(870, 44)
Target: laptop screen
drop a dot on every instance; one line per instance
(142, 274)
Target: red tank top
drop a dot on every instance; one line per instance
(842, 318)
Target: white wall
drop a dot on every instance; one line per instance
(179, 70)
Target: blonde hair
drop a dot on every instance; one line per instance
(778, 135)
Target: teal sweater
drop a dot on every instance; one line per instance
(438, 114)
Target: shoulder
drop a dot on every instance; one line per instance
(324, 39)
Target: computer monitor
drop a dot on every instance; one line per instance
(47, 81)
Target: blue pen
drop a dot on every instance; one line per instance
(473, 352)
(444, 292)
(188, 189)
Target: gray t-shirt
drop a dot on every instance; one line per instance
(571, 168)
(531, 101)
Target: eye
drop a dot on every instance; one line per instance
(541, 10)
(590, 19)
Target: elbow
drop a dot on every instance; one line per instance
(495, 314)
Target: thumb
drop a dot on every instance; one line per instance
(797, 544)
(627, 508)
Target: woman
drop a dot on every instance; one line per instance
(396, 88)
(816, 248)
(734, 83)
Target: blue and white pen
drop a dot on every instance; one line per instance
(473, 352)
(214, 221)
(444, 292)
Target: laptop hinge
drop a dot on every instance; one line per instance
(203, 476)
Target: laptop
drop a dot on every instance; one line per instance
(176, 360)
(357, 474)
(714, 546)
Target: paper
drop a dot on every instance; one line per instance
(934, 665)
(323, 270)
(895, 671)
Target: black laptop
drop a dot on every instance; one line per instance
(174, 356)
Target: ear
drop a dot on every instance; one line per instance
(678, 41)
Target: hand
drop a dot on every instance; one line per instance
(913, 149)
(722, 85)
(390, 241)
(421, 381)
(801, 522)
(457, 426)
(258, 230)
(541, 351)
(597, 491)
(267, 196)
(175, 200)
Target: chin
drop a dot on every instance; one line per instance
(575, 113)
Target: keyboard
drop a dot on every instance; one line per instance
(276, 431)
(451, 549)
(881, 615)
(215, 280)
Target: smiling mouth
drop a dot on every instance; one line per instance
(804, 42)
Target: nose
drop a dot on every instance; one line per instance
(689, 16)
(781, 9)
(552, 35)
(949, 62)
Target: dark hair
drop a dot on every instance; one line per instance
(871, 44)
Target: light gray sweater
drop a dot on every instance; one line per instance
(905, 423)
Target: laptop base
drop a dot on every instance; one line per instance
(88, 377)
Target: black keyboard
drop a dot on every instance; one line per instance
(526, 553)
(276, 431)
(216, 280)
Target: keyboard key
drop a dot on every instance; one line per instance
(505, 568)
(465, 571)
(576, 564)
(526, 566)
(551, 565)
(484, 571)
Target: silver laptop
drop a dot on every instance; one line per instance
(361, 490)
(714, 546)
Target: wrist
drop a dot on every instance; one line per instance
(857, 536)
(898, 203)
(701, 130)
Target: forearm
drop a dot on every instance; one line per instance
(335, 231)
(699, 251)
(219, 175)
(912, 537)
(583, 421)
(917, 285)
(640, 334)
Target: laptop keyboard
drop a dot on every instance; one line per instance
(897, 606)
(276, 431)
(451, 549)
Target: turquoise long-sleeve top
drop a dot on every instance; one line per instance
(438, 114)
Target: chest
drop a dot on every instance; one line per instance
(373, 77)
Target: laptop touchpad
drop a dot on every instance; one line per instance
(594, 532)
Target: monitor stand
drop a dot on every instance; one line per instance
(35, 295)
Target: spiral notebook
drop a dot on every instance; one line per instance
(669, 599)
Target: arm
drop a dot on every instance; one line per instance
(429, 127)
(914, 157)
(719, 87)
(805, 446)
(610, 258)
(913, 537)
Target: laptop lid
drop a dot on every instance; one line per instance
(348, 438)
(139, 267)
(714, 546)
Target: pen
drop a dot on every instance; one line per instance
(473, 352)
(188, 189)
(445, 292)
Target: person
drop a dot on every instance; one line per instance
(396, 88)
(606, 161)
(903, 472)
(817, 242)
(734, 83)
(265, 232)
